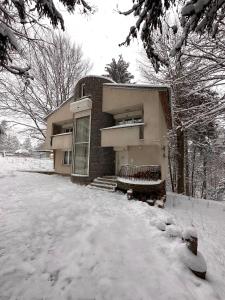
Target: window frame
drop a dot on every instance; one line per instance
(81, 143)
(82, 90)
(69, 158)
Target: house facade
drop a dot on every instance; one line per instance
(106, 126)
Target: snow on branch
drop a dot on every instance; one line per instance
(198, 16)
(20, 21)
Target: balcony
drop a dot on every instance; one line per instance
(84, 103)
(61, 141)
(122, 135)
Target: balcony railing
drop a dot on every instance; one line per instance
(146, 172)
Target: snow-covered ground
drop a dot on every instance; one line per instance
(59, 241)
(9, 164)
(208, 217)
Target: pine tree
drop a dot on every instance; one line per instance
(12, 143)
(27, 144)
(3, 136)
(118, 70)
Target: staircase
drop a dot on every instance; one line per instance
(107, 183)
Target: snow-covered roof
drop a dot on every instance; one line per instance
(100, 77)
(139, 85)
(124, 126)
(57, 108)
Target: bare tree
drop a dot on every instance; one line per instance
(192, 97)
(57, 65)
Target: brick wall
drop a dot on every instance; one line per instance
(101, 160)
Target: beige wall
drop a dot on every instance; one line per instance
(153, 149)
(60, 116)
(119, 100)
(62, 141)
(59, 166)
(144, 155)
(120, 137)
(148, 155)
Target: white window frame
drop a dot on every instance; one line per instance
(69, 163)
(74, 144)
(82, 90)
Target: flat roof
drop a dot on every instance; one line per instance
(138, 85)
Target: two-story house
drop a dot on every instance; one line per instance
(110, 129)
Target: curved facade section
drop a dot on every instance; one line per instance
(90, 160)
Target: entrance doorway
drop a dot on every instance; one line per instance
(121, 160)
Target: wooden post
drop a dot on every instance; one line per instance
(191, 239)
(130, 195)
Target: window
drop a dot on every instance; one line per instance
(67, 158)
(83, 90)
(131, 120)
(82, 146)
(65, 130)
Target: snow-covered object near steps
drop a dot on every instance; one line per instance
(173, 231)
(195, 263)
(189, 232)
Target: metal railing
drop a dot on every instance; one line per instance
(146, 172)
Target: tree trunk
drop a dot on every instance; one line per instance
(171, 171)
(193, 172)
(204, 183)
(187, 179)
(180, 160)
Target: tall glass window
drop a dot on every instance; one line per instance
(81, 146)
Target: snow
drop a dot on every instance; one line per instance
(124, 126)
(208, 218)
(10, 164)
(194, 262)
(135, 85)
(22, 151)
(64, 241)
(189, 232)
(64, 133)
(138, 181)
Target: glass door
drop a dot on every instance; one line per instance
(81, 146)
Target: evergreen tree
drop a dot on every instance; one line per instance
(3, 136)
(27, 144)
(12, 143)
(118, 70)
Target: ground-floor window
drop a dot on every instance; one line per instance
(81, 145)
(67, 160)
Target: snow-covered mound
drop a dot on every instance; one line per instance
(208, 217)
(64, 241)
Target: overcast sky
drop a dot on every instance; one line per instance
(100, 34)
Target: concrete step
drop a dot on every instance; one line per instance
(103, 181)
(101, 189)
(108, 179)
(103, 186)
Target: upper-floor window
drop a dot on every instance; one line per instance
(129, 120)
(69, 129)
(83, 90)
